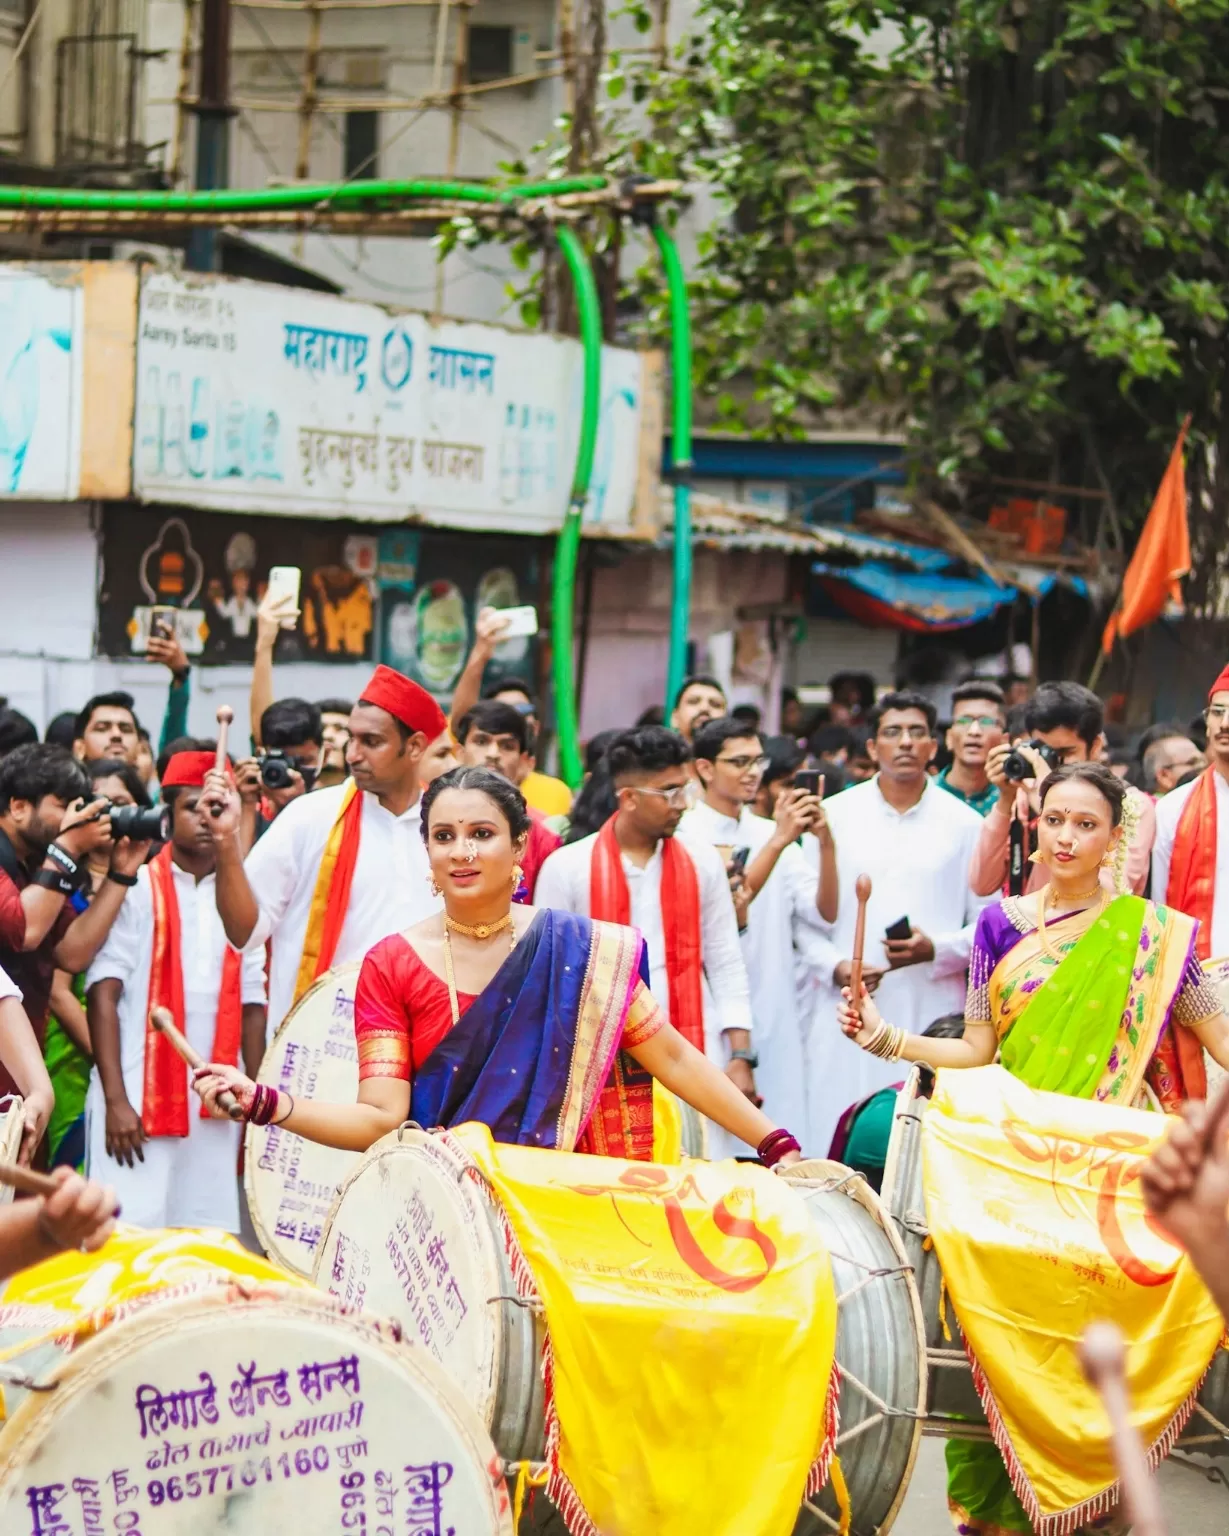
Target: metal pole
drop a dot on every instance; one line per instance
(213, 114)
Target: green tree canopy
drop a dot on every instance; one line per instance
(1001, 228)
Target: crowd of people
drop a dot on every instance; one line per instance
(534, 958)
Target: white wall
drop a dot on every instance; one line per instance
(629, 636)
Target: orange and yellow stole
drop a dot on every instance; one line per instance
(331, 897)
(164, 1105)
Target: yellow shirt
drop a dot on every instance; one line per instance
(550, 796)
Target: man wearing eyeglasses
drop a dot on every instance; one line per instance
(978, 725)
(645, 869)
(776, 888)
(1190, 857)
(916, 842)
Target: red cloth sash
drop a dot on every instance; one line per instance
(331, 897)
(1192, 867)
(610, 901)
(164, 1106)
(1192, 889)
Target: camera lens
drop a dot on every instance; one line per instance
(1017, 767)
(140, 825)
(275, 771)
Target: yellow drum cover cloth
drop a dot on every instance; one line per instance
(1034, 1205)
(692, 1321)
(79, 1293)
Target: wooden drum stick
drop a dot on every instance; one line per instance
(1103, 1356)
(25, 1181)
(162, 1021)
(862, 889)
(225, 715)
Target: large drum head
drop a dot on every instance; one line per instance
(414, 1237)
(290, 1182)
(268, 1414)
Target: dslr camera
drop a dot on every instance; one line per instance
(142, 826)
(1017, 767)
(277, 771)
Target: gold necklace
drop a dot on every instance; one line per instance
(1045, 902)
(478, 931)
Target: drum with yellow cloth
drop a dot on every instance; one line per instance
(290, 1182)
(954, 1407)
(174, 1383)
(426, 1230)
(679, 1131)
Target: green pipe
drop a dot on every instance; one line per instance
(680, 437)
(563, 579)
(343, 193)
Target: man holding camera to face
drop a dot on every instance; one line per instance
(1062, 723)
(48, 828)
(289, 760)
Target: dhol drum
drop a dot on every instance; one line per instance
(290, 1182)
(230, 1402)
(12, 1124)
(414, 1237)
(953, 1407)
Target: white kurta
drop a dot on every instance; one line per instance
(391, 889)
(184, 1181)
(564, 883)
(1168, 814)
(783, 929)
(919, 868)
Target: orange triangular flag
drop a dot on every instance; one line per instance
(1161, 557)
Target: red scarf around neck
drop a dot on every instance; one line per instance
(164, 1106)
(1192, 889)
(1192, 866)
(610, 901)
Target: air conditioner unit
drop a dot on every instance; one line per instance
(524, 47)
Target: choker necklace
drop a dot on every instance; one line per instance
(1053, 898)
(478, 930)
(1042, 934)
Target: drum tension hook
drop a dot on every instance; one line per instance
(529, 1304)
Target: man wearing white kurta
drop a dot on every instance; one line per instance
(649, 766)
(916, 842)
(783, 921)
(165, 1180)
(1210, 812)
(274, 896)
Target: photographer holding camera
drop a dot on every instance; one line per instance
(67, 1050)
(47, 830)
(1062, 723)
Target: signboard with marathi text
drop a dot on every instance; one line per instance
(258, 398)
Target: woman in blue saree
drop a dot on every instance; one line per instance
(536, 1023)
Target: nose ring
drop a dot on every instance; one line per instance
(471, 850)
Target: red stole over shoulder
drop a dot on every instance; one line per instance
(164, 1106)
(610, 902)
(1192, 889)
(1192, 866)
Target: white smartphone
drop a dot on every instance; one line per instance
(520, 622)
(284, 583)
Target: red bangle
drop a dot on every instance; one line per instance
(263, 1106)
(775, 1146)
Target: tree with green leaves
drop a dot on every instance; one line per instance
(1000, 227)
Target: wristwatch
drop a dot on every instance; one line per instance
(749, 1057)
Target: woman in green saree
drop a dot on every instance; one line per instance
(1078, 991)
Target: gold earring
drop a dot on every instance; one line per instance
(518, 874)
(1036, 857)
(435, 887)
